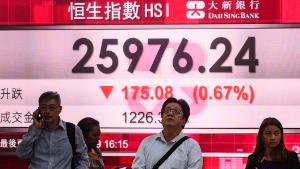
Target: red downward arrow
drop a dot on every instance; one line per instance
(106, 90)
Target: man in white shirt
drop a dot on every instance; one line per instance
(175, 114)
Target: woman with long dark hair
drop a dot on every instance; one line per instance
(91, 133)
(270, 151)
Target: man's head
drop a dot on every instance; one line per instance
(50, 107)
(175, 112)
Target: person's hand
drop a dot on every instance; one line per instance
(93, 156)
(37, 124)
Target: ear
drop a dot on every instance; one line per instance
(183, 124)
(60, 109)
(161, 116)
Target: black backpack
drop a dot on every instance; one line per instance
(71, 136)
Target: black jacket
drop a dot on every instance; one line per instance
(292, 162)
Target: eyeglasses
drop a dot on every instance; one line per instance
(50, 107)
(175, 111)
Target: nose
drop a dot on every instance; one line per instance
(273, 136)
(46, 111)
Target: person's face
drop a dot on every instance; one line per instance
(93, 136)
(173, 116)
(271, 136)
(50, 111)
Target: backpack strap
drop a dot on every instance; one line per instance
(71, 136)
(173, 148)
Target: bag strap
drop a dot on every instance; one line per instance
(71, 136)
(173, 148)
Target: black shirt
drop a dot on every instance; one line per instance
(292, 162)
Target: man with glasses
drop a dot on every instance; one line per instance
(46, 143)
(187, 155)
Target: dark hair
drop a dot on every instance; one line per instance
(279, 154)
(183, 104)
(50, 95)
(86, 125)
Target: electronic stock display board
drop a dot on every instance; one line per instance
(235, 62)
